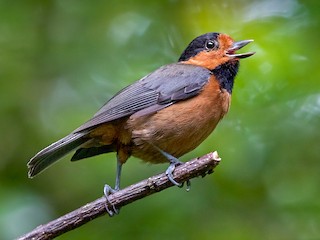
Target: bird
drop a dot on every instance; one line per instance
(160, 117)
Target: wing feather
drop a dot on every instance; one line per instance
(163, 87)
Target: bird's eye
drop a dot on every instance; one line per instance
(211, 44)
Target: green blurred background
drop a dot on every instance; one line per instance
(61, 60)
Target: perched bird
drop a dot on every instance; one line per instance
(161, 116)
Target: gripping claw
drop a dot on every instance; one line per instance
(107, 190)
(169, 172)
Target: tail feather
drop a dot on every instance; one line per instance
(54, 152)
(82, 153)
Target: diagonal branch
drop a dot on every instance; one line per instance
(194, 168)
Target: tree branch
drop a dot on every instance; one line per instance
(194, 168)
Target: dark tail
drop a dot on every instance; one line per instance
(54, 152)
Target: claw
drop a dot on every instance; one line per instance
(188, 185)
(107, 190)
(169, 173)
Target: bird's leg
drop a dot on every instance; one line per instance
(107, 190)
(119, 167)
(173, 163)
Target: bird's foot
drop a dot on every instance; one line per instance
(169, 172)
(173, 163)
(107, 190)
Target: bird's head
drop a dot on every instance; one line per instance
(213, 49)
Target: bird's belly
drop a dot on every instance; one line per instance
(179, 128)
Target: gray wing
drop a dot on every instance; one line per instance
(160, 89)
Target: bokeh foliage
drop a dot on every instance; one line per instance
(61, 60)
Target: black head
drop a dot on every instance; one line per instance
(206, 41)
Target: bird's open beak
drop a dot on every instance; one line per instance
(231, 52)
